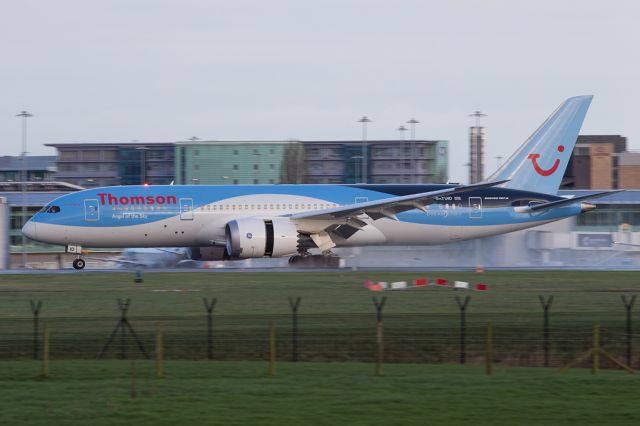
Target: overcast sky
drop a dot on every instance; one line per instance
(153, 70)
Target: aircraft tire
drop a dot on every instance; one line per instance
(79, 264)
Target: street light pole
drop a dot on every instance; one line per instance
(402, 130)
(364, 120)
(23, 179)
(413, 123)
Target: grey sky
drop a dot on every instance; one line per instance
(154, 70)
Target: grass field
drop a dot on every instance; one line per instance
(200, 392)
(337, 322)
(337, 317)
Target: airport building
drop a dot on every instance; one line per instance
(238, 162)
(387, 161)
(37, 168)
(602, 162)
(105, 164)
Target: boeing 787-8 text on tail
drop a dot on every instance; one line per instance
(239, 222)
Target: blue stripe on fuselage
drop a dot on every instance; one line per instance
(147, 204)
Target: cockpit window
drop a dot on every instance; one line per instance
(50, 209)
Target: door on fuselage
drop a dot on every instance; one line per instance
(475, 208)
(186, 208)
(91, 210)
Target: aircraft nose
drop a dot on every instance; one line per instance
(29, 230)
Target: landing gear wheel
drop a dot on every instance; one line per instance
(79, 264)
(315, 261)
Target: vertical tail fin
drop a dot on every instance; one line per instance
(539, 164)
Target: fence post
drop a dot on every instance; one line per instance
(379, 306)
(45, 351)
(546, 305)
(380, 351)
(134, 388)
(463, 326)
(595, 367)
(294, 327)
(272, 349)
(628, 305)
(159, 351)
(209, 307)
(35, 309)
(379, 335)
(489, 355)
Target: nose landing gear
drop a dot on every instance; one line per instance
(79, 263)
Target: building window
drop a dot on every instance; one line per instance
(196, 152)
(235, 167)
(272, 167)
(91, 155)
(256, 181)
(235, 181)
(68, 155)
(271, 181)
(272, 151)
(235, 152)
(196, 167)
(256, 167)
(443, 150)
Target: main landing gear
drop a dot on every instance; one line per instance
(306, 260)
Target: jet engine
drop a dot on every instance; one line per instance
(255, 237)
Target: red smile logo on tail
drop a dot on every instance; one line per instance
(540, 170)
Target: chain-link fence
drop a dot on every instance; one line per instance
(519, 338)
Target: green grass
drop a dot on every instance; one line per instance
(98, 393)
(94, 294)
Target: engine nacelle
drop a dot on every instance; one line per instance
(255, 237)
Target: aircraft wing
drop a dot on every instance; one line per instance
(560, 203)
(388, 207)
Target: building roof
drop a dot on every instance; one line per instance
(289, 141)
(36, 162)
(370, 142)
(109, 144)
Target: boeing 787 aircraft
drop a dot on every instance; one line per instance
(239, 222)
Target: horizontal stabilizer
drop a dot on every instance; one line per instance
(560, 203)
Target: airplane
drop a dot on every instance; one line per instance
(255, 221)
